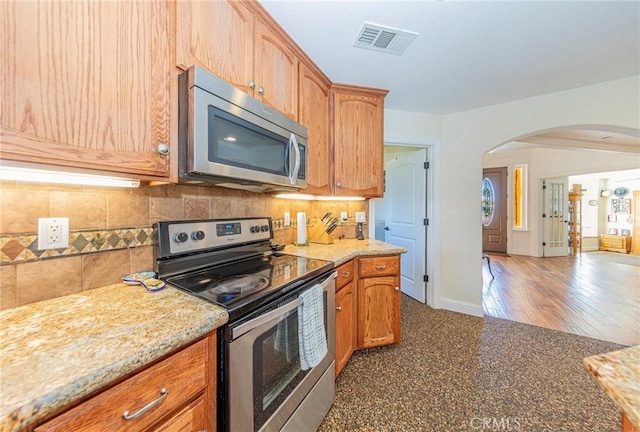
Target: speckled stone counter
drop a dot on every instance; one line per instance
(57, 351)
(618, 373)
(342, 251)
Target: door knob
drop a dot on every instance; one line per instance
(397, 288)
(338, 308)
(387, 228)
(163, 149)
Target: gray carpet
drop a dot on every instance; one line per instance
(454, 372)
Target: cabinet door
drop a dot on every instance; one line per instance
(314, 114)
(345, 325)
(192, 418)
(358, 143)
(86, 84)
(378, 311)
(635, 242)
(218, 36)
(275, 71)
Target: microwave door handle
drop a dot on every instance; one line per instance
(294, 174)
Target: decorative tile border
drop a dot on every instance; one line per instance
(19, 248)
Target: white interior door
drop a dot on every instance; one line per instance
(554, 217)
(405, 199)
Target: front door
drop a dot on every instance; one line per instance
(406, 183)
(494, 210)
(555, 217)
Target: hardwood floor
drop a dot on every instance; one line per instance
(596, 294)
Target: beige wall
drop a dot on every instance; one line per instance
(92, 208)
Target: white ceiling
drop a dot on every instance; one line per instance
(469, 54)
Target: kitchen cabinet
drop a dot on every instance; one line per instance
(86, 84)
(378, 301)
(313, 112)
(239, 42)
(615, 243)
(345, 314)
(178, 391)
(358, 147)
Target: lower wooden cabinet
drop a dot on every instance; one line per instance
(615, 243)
(378, 311)
(171, 395)
(345, 325)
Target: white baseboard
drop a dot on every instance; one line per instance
(525, 252)
(590, 248)
(462, 307)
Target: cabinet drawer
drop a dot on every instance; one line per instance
(379, 266)
(345, 274)
(612, 244)
(183, 375)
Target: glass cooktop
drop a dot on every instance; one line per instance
(254, 280)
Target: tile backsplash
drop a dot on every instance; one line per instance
(111, 232)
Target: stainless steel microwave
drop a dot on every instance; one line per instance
(227, 138)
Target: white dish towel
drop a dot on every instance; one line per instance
(312, 339)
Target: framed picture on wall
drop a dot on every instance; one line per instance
(612, 218)
(625, 232)
(620, 206)
(613, 231)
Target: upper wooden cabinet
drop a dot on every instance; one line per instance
(217, 35)
(86, 84)
(358, 122)
(229, 39)
(313, 111)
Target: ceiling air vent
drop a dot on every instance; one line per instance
(384, 39)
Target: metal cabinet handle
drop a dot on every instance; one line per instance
(148, 407)
(163, 149)
(346, 275)
(261, 90)
(252, 85)
(381, 267)
(397, 288)
(338, 184)
(338, 308)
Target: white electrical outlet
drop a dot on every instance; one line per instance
(361, 217)
(53, 233)
(287, 219)
(343, 217)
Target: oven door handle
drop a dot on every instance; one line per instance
(258, 321)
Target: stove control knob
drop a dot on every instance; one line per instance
(264, 228)
(181, 237)
(255, 229)
(197, 235)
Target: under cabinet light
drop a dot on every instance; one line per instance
(296, 196)
(45, 176)
(339, 198)
(306, 197)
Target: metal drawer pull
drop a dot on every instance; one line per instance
(381, 267)
(397, 288)
(347, 274)
(148, 407)
(338, 308)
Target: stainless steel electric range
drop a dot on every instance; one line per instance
(262, 385)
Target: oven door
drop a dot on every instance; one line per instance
(266, 382)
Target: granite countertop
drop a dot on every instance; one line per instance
(618, 373)
(57, 351)
(342, 251)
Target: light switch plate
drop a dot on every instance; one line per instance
(287, 219)
(361, 217)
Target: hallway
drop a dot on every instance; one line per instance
(596, 294)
